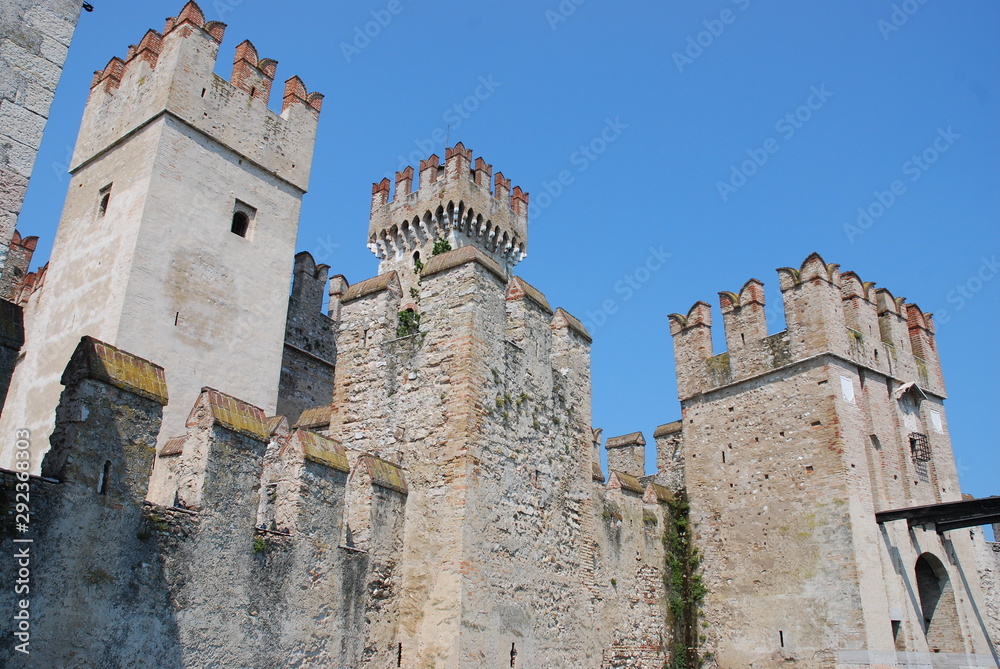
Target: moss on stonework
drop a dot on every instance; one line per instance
(719, 371)
(684, 586)
(922, 371)
(777, 344)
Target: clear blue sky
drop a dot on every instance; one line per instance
(883, 89)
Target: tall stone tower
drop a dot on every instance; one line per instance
(454, 203)
(792, 443)
(177, 238)
(487, 410)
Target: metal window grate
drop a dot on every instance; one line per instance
(920, 448)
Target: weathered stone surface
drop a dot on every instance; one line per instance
(34, 38)
(190, 150)
(433, 495)
(310, 351)
(790, 445)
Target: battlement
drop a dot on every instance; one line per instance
(627, 454)
(19, 253)
(826, 311)
(453, 202)
(173, 73)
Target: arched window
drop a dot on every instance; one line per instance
(243, 220)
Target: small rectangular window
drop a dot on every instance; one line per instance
(103, 200)
(243, 218)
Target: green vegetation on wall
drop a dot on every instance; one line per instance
(684, 587)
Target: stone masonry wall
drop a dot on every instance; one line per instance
(989, 572)
(192, 587)
(167, 152)
(310, 353)
(97, 593)
(791, 443)
(487, 410)
(34, 40)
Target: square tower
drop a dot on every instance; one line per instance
(792, 444)
(177, 238)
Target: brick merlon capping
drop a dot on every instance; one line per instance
(232, 413)
(519, 289)
(699, 314)
(174, 446)
(596, 473)
(668, 428)
(633, 439)
(812, 268)
(461, 256)
(656, 493)
(315, 417)
(319, 449)
(388, 281)
(626, 481)
(277, 426)
(384, 474)
(565, 320)
(96, 360)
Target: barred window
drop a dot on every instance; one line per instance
(920, 448)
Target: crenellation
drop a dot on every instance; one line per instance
(429, 173)
(670, 463)
(251, 73)
(173, 74)
(15, 266)
(309, 356)
(827, 313)
(219, 469)
(627, 454)
(786, 460)
(453, 204)
(148, 49)
(813, 308)
(692, 348)
(457, 162)
(745, 324)
(404, 183)
(481, 175)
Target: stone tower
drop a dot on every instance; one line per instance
(791, 444)
(177, 236)
(454, 203)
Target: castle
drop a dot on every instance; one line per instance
(221, 474)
